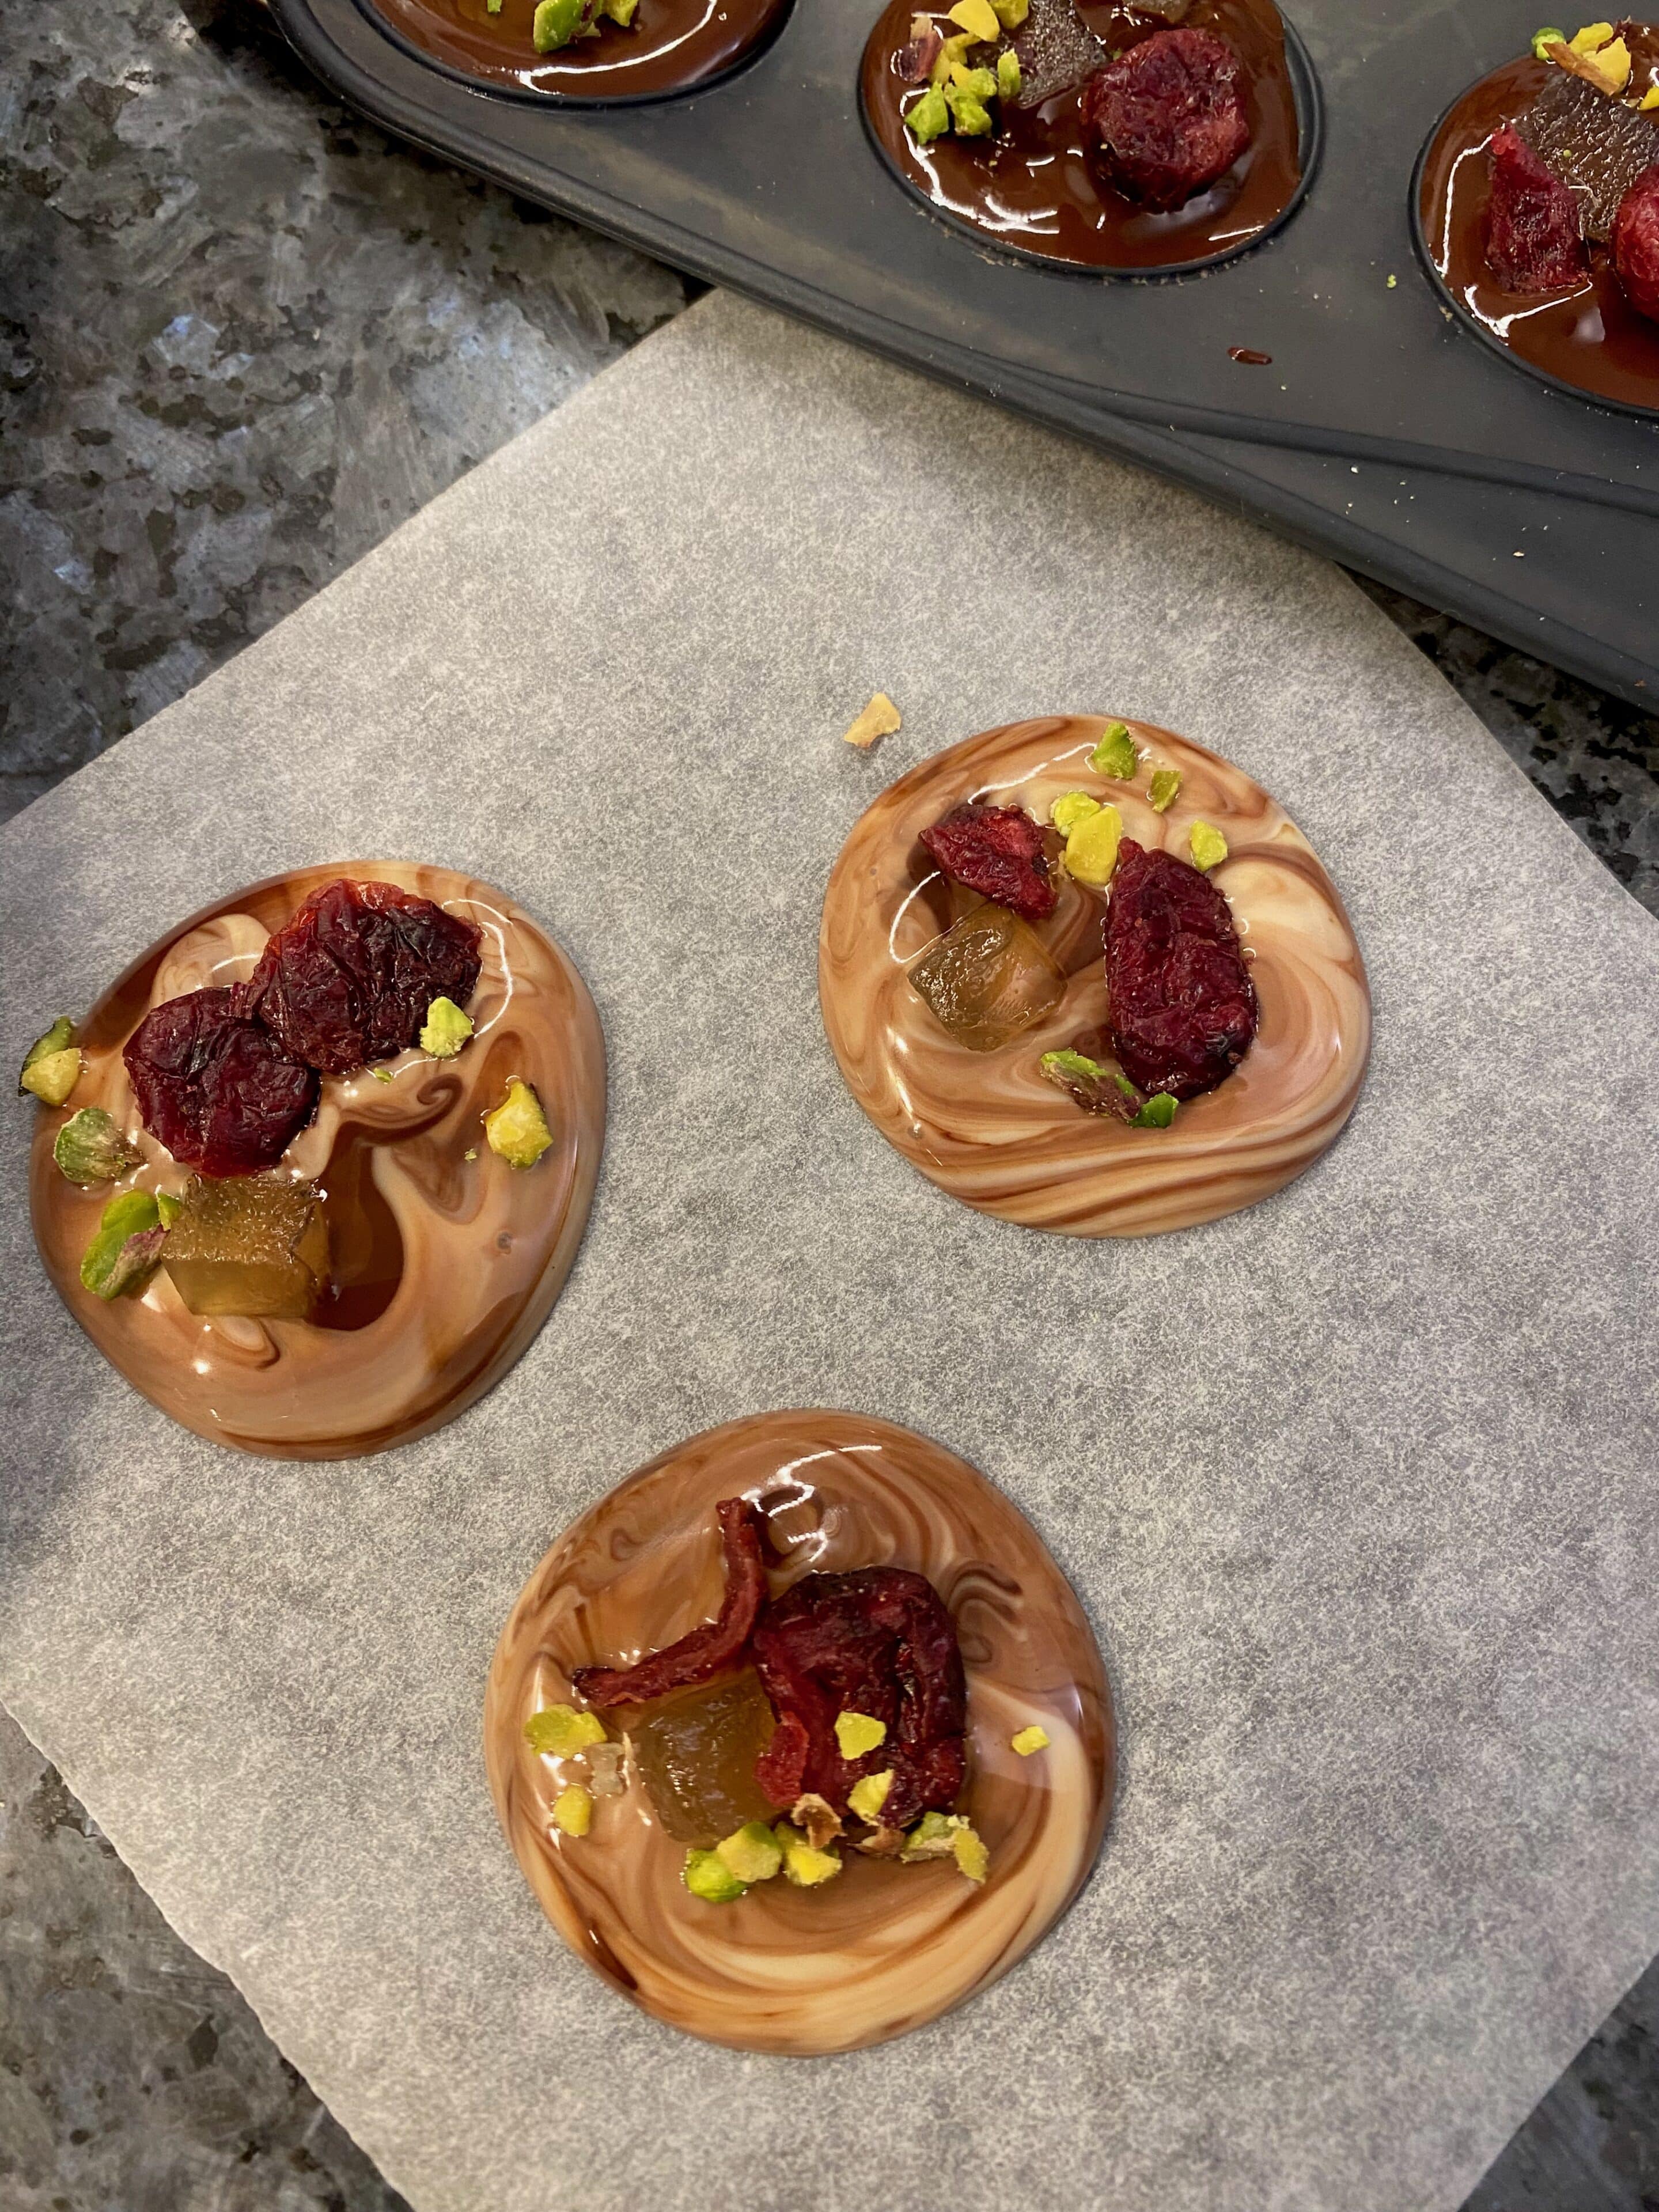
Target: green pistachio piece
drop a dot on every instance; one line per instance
(1543, 40)
(573, 1810)
(972, 119)
(621, 12)
(857, 1733)
(804, 1865)
(1010, 14)
(969, 1853)
(930, 117)
(1115, 755)
(170, 1207)
(89, 1148)
(381, 1075)
(561, 1731)
(125, 1246)
(52, 1077)
(949, 57)
(753, 1854)
(706, 1875)
(1009, 79)
(1093, 1085)
(1165, 786)
(517, 1128)
(933, 1836)
(1156, 1113)
(493, 7)
(51, 1065)
(1071, 808)
(1209, 846)
(446, 1029)
(555, 23)
(869, 1794)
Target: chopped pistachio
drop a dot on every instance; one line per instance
(559, 1731)
(170, 1206)
(381, 1075)
(53, 1077)
(933, 1836)
(555, 23)
(57, 1038)
(470, 1153)
(857, 1733)
(707, 1875)
(493, 7)
(1028, 1740)
(1071, 808)
(1010, 14)
(969, 1853)
(965, 96)
(1009, 78)
(816, 1818)
(802, 1865)
(1097, 1088)
(929, 117)
(1614, 63)
(604, 1768)
(89, 1148)
(1156, 1113)
(446, 1029)
(1115, 755)
(51, 1065)
(753, 1854)
(869, 1794)
(621, 12)
(880, 719)
(107, 1265)
(1543, 40)
(572, 1811)
(1091, 847)
(1590, 38)
(1650, 99)
(1164, 789)
(1209, 846)
(517, 1128)
(978, 18)
(948, 58)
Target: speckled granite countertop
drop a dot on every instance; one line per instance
(241, 336)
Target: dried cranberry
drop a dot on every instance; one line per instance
(1169, 116)
(1183, 1008)
(998, 852)
(350, 977)
(707, 1651)
(215, 1087)
(1636, 243)
(877, 1641)
(1533, 239)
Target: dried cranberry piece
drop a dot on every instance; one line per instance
(349, 978)
(1533, 240)
(998, 852)
(877, 1641)
(215, 1087)
(1183, 1008)
(1636, 243)
(1169, 116)
(706, 1651)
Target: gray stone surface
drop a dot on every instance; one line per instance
(1365, 1560)
(176, 197)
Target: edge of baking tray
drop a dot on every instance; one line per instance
(1188, 458)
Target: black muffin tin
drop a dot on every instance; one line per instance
(1383, 432)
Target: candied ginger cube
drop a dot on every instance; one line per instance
(254, 1246)
(988, 978)
(695, 1753)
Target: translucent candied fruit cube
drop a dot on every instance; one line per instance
(255, 1246)
(988, 978)
(695, 1753)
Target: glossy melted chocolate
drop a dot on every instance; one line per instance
(990, 1127)
(1032, 185)
(882, 1947)
(670, 45)
(442, 1269)
(1590, 337)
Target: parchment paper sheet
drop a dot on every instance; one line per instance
(1357, 1487)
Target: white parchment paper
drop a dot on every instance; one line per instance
(1357, 1487)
